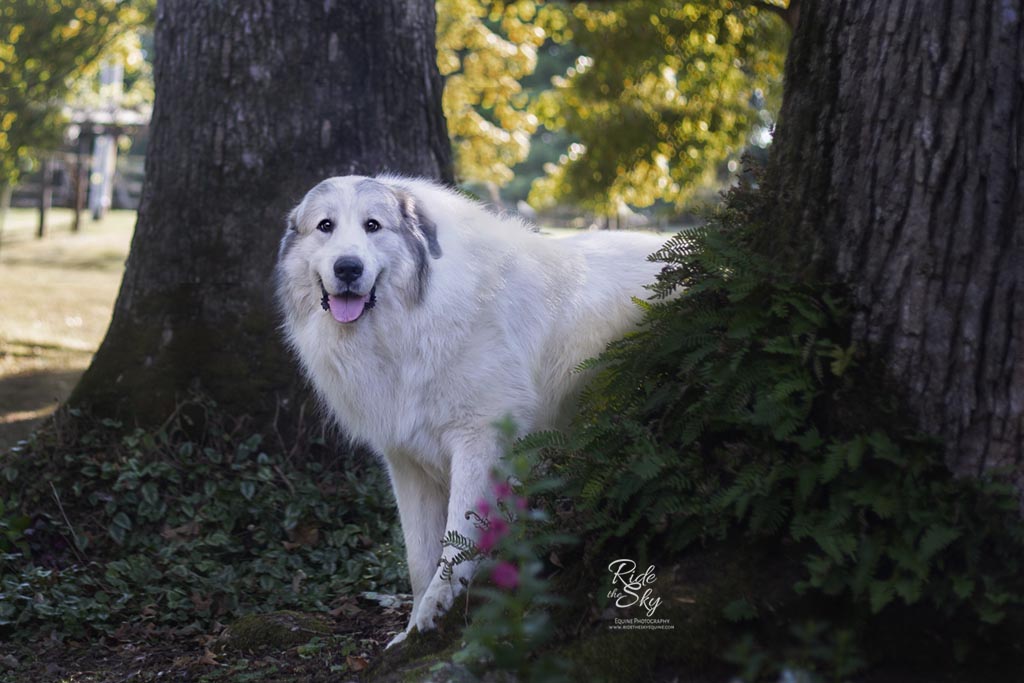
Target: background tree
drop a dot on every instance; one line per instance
(485, 49)
(254, 104)
(896, 167)
(132, 50)
(662, 94)
(45, 45)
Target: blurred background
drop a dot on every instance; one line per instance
(579, 116)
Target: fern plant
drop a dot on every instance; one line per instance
(741, 410)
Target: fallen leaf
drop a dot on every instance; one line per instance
(347, 607)
(297, 580)
(186, 530)
(181, 662)
(304, 535)
(356, 663)
(200, 602)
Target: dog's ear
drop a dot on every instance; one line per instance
(429, 230)
(291, 232)
(417, 220)
(292, 222)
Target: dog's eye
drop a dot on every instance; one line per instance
(325, 226)
(372, 226)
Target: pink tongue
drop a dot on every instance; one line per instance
(345, 309)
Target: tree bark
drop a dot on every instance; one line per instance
(896, 167)
(255, 103)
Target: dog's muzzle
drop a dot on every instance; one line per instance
(347, 307)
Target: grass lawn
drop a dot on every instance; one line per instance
(57, 298)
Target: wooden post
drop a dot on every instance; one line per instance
(6, 189)
(45, 196)
(80, 184)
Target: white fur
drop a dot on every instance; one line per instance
(504, 317)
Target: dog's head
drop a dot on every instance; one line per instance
(351, 240)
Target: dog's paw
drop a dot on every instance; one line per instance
(399, 637)
(437, 600)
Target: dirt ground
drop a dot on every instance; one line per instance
(353, 644)
(56, 297)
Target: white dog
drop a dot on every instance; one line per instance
(422, 319)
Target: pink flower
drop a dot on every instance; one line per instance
(505, 575)
(488, 539)
(492, 534)
(483, 508)
(502, 489)
(499, 526)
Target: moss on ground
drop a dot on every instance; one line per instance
(424, 656)
(271, 631)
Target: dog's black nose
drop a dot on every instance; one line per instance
(348, 269)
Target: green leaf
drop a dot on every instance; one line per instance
(119, 527)
(123, 521)
(835, 458)
(936, 538)
(807, 479)
(885, 448)
(150, 493)
(963, 586)
(217, 538)
(739, 610)
(881, 594)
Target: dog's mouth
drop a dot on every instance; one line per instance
(347, 307)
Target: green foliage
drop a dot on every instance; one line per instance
(44, 45)
(484, 50)
(174, 528)
(663, 94)
(813, 646)
(12, 530)
(739, 410)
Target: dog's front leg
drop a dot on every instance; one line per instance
(471, 468)
(422, 508)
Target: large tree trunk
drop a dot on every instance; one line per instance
(896, 163)
(255, 103)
